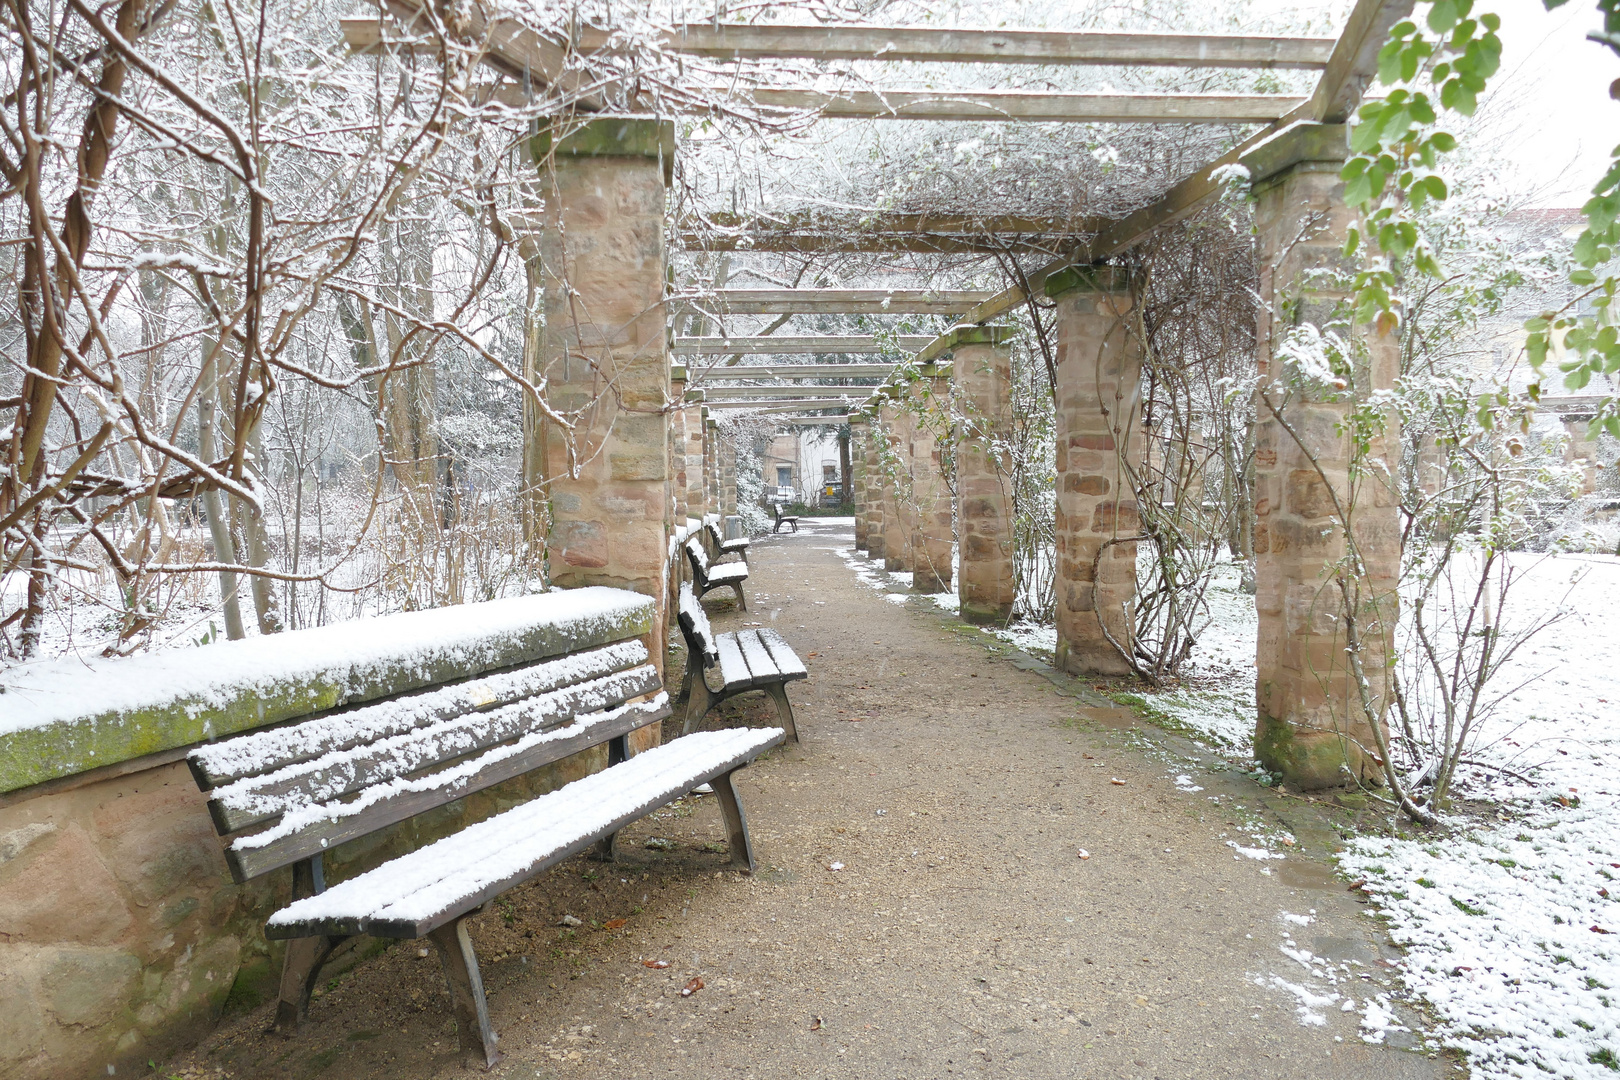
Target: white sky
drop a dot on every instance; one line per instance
(1549, 106)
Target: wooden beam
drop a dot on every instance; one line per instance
(1354, 63)
(841, 301)
(789, 404)
(795, 371)
(931, 44)
(1053, 107)
(792, 346)
(793, 391)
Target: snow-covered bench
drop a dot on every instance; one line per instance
(742, 661)
(289, 793)
(707, 576)
(719, 547)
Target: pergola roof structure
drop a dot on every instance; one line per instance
(1346, 65)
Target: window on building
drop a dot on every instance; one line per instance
(784, 476)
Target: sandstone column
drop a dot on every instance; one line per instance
(730, 524)
(603, 355)
(896, 469)
(711, 467)
(859, 432)
(872, 463)
(677, 443)
(932, 531)
(695, 508)
(981, 378)
(1099, 370)
(1312, 726)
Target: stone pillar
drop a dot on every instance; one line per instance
(695, 507)
(677, 444)
(603, 355)
(872, 466)
(932, 530)
(711, 465)
(1099, 370)
(895, 450)
(859, 432)
(1312, 727)
(730, 527)
(981, 379)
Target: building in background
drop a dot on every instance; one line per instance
(801, 466)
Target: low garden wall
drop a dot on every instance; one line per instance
(122, 936)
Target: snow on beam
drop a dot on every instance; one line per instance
(930, 44)
(1037, 107)
(797, 371)
(842, 301)
(62, 717)
(793, 346)
(722, 395)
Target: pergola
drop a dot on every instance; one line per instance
(659, 466)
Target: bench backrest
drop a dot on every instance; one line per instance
(699, 559)
(695, 627)
(317, 783)
(714, 535)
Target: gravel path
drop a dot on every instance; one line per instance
(922, 909)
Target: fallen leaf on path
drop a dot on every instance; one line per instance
(693, 985)
(655, 963)
(1088, 757)
(1600, 930)
(812, 654)
(614, 924)
(1117, 781)
(1354, 885)
(815, 1023)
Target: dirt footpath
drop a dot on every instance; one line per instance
(922, 907)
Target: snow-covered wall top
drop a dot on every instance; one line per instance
(63, 717)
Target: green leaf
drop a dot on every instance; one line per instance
(1577, 379)
(1443, 15)
(1443, 142)
(1582, 277)
(1358, 190)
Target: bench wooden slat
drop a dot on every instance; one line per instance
(726, 574)
(249, 802)
(733, 668)
(787, 661)
(760, 664)
(225, 762)
(306, 832)
(412, 895)
(695, 621)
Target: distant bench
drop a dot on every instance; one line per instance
(719, 547)
(310, 785)
(783, 519)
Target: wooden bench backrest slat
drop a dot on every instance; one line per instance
(695, 626)
(230, 760)
(297, 838)
(699, 557)
(258, 799)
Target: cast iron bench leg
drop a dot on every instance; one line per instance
(742, 851)
(784, 711)
(305, 955)
(466, 989)
(741, 603)
(699, 700)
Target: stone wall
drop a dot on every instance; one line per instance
(932, 526)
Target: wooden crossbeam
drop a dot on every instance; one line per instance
(842, 301)
(936, 45)
(796, 371)
(791, 346)
(722, 394)
(773, 404)
(1051, 107)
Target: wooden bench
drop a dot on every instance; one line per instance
(719, 548)
(707, 576)
(791, 520)
(740, 662)
(287, 794)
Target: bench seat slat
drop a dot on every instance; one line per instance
(309, 830)
(416, 893)
(257, 799)
(758, 657)
(787, 661)
(221, 763)
(733, 668)
(725, 575)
